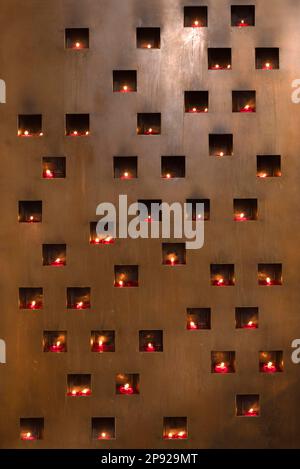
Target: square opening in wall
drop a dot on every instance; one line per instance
(247, 405)
(150, 209)
(244, 101)
(125, 167)
(55, 341)
(219, 58)
(79, 385)
(245, 209)
(149, 123)
(220, 145)
(242, 15)
(269, 274)
(193, 213)
(126, 276)
(267, 58)
(198, 319)
(77, 38)
(31, 429)
(128, 384)
(30, 298)
(223, 362)
(172, 167)
(175, 428)
(173, 254)
(196, 101)
(30, 211)
(54, 167)
(30, 125)
(271, 362)
(148, 38)
(105, 237)
(268, 166)
(222, 275)
(151, 341)
(103, 428)
(246, 318)
(195, 17)
(78, 297)
(77, 125)
(124, 81)
(55, 255)
(103, 341)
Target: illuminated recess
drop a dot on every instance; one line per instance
(78, 298)
(77, 38)
(79, 385)
(148, 38)
(30, 211)
(244, 101)
(223, 362)
(151, 341)
(220, 145)
(246, 318)
(103, 428)
(31, 429)
(269, 274)
(175, 428)
(268, 166)
(125, 167)
(124, 81)
(245, 209)
(193, 214)
(55, 341)
(77, 125)
(222, 275)
(30, 125)
(219, 58)
(196, 101)
(198, 319)
(242, 15)
(149, 123)
(54, 167)
(127, 384)
(267, 58)
(173, 254)
(126, 276)
(271, 362)
(31, 298)
(54, 255)
(102, 341)
(195, 17)
(247, 405)
(172, 167)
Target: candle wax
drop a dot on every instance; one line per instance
(221, 368)
(269, 368)
(126, 389)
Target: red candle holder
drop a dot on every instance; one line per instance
(268, 282)
(58, 262)
(220, 67)
(250, 325)
(100, 347)
(221, 368)
(182, 435)
(221, 282)
(150, 347)
(57, 348)
(107, 240)
(27, 134)
(77, 45)
(82, 305)
(247, 108)
(242, 24)
(125, 89)
(126, 175)
(104, 436)
(269, 367)
(197, 110)
(167, 176)
(196, 24)
(28, 436)
(125, 283)
(126, 389)
(80, 393)
(48, 174)
(251, 413)
(241, 217)
(150, 131)
(31, 219)
(76, 133)
(267, 66)
(192, 326)
(34, 305)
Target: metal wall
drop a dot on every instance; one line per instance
(42, 77)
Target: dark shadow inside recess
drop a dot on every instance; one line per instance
(223, 362)
(242, 15)
(102, 341)
(77, 125)
(127, 383)
(195, 17)
(268, 166)
(31, 298)
(54, 167)
(151, 341)
(198, 318)
(245, 209)
(244, 101)
(247, 405)
(150, 209)
(30, 211)
(219, 58)
(148, 38)
(126, 276)
(77, 38)
(220, 145)
(79, 385)
(196, 101)
(78, 297)
(103, 428)
(173, 254)
(124, 81)
(267, 58)
(172, 167)
(193, 213)
(246, 318)
(31, 429)
(269, 274)
(30, 125)
(55, 341)
(125, 167)
(222, 275)
(175, 428)
(54, 255)
(149, 123)
(271, 362)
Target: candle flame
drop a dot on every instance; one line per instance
(77, 45)
(28, 434)
(168, 176)
(206, 109)
(170, 435)
(270, 364)
(80, 304)
(75, 132)
(26, 132)
(103, 435)
(97, 240)
(87, 133)
(126, 174)
(58, 343)
(250, 323)
(228, 66)
(268, 280)
(181, 433)
(192, 324)
(194, 109)
(150, 130)
(262, 175)
(247, 107)
(196, 22)
(31, 218)
(251, 411)
(121, 283)
(126, 386)
(221, 153)
(125, 87)
(33, 303)
(242, 21)
(149, 46)
(217, 66)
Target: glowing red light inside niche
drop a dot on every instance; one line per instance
(182, 435)
(57, 347)
(81, 393)
(269, 367)
(27, 436)
(126, 389)
(221, 368)
(251, 413)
